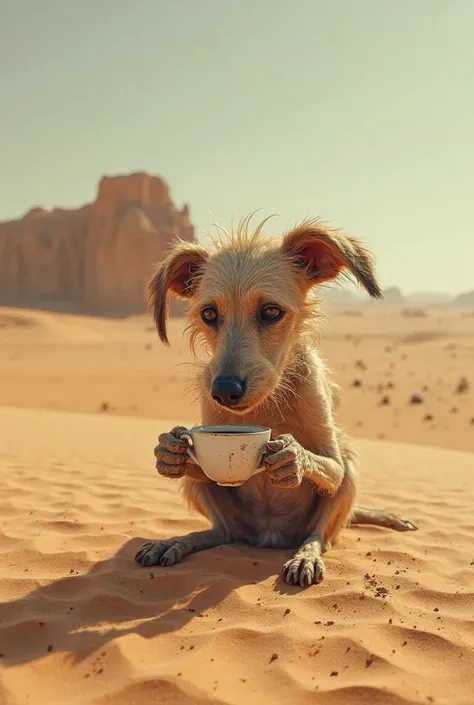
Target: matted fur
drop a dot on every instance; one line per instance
(305, 499)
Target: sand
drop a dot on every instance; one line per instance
(74, 363)
(81, 622)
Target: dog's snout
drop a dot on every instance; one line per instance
(228, 391)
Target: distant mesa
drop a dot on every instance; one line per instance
(413, 304)
(429, 298)
(392, 296)
(96, 258)
(466, 299)
(338, 296)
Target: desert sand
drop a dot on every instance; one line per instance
(82, 401)
(380, 357)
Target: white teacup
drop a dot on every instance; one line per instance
(229, 455)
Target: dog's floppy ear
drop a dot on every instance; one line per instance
(322, 254)
(178, 274)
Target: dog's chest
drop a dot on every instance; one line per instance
(268, 516)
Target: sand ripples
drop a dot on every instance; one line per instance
(80, 622)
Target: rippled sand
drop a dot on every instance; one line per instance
(80, 622)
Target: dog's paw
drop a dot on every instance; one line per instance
(163, 553)
(284, 460)
(171, 454)
(304, 571)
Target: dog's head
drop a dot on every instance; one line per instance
(250, 301)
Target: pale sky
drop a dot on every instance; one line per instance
(359, 111)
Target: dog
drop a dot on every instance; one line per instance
(252, 303)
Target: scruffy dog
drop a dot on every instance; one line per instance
(252, 303)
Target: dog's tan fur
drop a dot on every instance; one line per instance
(307, 494)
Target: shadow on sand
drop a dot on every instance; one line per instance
(81, 613)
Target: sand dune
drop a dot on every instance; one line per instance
(80, 622)
(381, 358)
(52, 327)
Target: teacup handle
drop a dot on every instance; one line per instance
(186, 436)
(260, 465)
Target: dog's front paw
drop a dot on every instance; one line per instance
(164, 553)
(284, 460)
(170, 453)
(304, 570)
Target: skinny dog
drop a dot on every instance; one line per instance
(252, 303)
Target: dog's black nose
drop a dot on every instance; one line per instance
(228, 391)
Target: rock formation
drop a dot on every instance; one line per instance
(466, 299)
(96, 258)
(392, 296)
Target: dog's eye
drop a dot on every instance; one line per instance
(209, 314)
(271, 313)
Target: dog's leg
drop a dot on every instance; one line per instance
(307, 567)
(171, 551)
(288, 462)
(378, 517)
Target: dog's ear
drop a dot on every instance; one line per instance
(322, 254)
(178, 274)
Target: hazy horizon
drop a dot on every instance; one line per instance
(360, 113)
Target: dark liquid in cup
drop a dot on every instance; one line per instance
(237, 430)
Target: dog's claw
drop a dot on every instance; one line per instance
(163, 553)
(303, 571)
